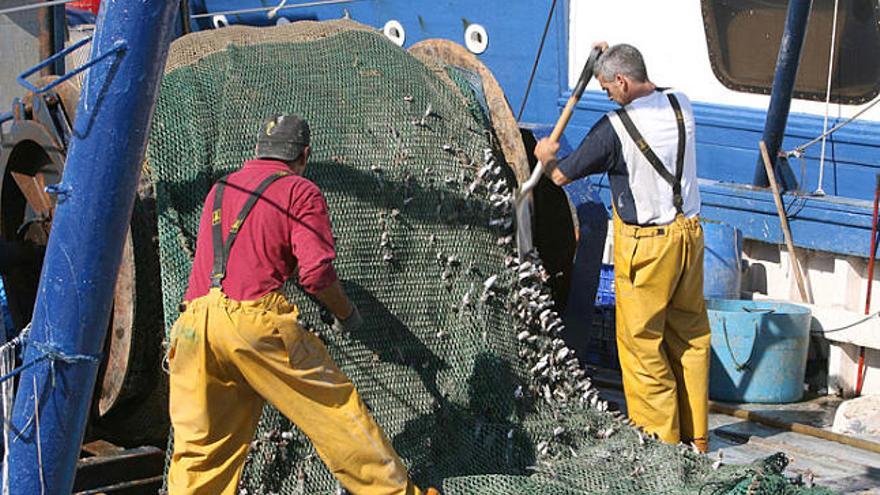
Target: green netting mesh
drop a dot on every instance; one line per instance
(459, 359)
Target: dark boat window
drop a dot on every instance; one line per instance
(743, 40)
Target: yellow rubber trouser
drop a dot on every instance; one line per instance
(225, 358)
(662, 328)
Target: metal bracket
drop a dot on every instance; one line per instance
(59, 190)
(118, 46)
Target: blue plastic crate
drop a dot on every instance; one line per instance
(605, 292)
(601, 343)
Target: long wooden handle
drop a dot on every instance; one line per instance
(783, 220)
(586, 75)
(567, 112)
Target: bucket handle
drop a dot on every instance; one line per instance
(768, 311)
(747, 364)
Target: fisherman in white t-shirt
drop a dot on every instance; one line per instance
(647, 148)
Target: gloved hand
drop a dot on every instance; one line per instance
(350, 324)
(326, 316)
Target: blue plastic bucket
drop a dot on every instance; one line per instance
(759, 350)
(722, 273)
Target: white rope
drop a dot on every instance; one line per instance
(7, 392)
(819, 190)
(34, 6)
(847, 326)
(16, 341)
(270, 9)
(7, 396)
(272, 13)
(39, 440)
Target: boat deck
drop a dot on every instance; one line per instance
(843, 468)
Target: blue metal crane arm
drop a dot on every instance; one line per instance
(84, 251)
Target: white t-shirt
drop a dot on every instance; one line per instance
(641, 195)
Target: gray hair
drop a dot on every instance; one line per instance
(622, 59)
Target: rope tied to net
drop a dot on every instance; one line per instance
(758, 478)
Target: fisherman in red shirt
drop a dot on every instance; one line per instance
(237, 342)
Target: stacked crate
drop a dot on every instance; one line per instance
(602, 341)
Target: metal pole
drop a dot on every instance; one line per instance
(47, 30)
(783, 83)
(95, 200)
(53, 33)
(185, 21)
(59, 36)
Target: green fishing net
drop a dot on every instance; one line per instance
(459, 359)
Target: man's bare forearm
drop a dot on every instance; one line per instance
(554, 174)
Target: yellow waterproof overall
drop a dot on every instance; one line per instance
(227, 357)
(662, 327)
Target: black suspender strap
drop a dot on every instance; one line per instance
(219, 269)
(679, 159)
(221, 250)
(672, 180)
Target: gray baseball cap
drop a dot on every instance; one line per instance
(283, 137)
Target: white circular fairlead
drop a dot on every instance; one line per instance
(394, 31)
(476, 39)
(219, 21)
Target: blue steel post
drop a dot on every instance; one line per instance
(59, 34)
(95, 200)
(783, 83)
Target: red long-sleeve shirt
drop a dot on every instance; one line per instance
(288, 230)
